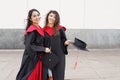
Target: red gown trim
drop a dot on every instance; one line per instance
(32, 28)
(50, 30)
(37, 72)
(59, 27)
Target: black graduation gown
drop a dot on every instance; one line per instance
(34, 43)
(56, 42)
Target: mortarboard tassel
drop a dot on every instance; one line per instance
(76, 62)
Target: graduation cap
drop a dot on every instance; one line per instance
(80, 44)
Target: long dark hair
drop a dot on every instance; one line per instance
(57, 20)
(29, 22)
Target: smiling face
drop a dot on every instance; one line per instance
(35, 17)
(51, 18)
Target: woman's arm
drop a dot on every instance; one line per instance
(63, 40)
(29, 43)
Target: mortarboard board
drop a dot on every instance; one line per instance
(80, 44)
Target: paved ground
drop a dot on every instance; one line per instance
(97, 64)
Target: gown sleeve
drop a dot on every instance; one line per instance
(29, 43)
(63, 39)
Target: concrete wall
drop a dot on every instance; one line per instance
(11, 38)
(95, 38)
(94, 21)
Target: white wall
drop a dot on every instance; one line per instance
(44, 6)
(102, 14)
(82, 14)
(12, 13)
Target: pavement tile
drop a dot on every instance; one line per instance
(97, 64)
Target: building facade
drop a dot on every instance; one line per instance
(97, 22)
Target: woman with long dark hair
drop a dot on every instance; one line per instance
(56, 40)
(31, 66)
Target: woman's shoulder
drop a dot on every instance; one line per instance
(60, 27)
(32, 33)
(34, 30)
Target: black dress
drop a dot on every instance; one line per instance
(56, 42)
(34, 50)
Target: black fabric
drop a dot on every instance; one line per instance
(33, 50)
(50, 60)
(63, 39)
(80, 44)
(60, 50)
